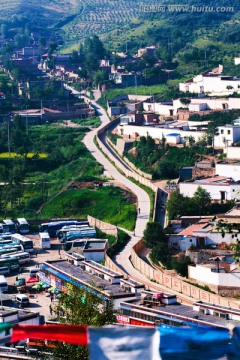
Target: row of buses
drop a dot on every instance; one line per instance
(8, 226)
(15, 250)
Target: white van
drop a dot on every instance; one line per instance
(22, 300)
(33, 272)
(3, 284)
(45, 241)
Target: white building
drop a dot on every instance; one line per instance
(216, 277)
(237, 61)
(210, 83)
(231, 169)
(157, 132)
(232, 152)
(220, 188)
(16, 316)
(227, 135)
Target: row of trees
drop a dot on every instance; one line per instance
(199, 204)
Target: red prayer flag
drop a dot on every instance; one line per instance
(73, 334)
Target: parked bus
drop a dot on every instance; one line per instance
(5, 243)
(23, 257)
(62, 232)
(74, 246)
(3, 284)
(10, 250)
(26, 243)
(44, 239)
(3, 228)
(22, 226)
(10, 224)
(11, 263)
(6, 236)
(89, 232)
(54, 226)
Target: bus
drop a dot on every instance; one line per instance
(89, 232)
(12, 263)
(45, 242)
(26, 243)
(75, 245)
(62, 232)
(10, 224)
(54, 226)
(23, 257)
(3, 284)
(6, 236)
(5, 243)
(3, 228)
(10, 250)
(22, 226)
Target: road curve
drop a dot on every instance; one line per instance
(122, 259)
(142, 196)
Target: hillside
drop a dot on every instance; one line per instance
(190, 39)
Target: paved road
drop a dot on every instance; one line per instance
(142, 196)
(123, 258)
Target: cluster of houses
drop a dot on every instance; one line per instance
(210, 249)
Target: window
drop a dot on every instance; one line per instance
(229, 132)
(222, 131)
(7, 332)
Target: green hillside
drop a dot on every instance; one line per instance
(193, 36)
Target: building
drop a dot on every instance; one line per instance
(221, 188)
(126, 79)
(227, 135)
(154, 309)
(232, 169)
(221, 277)
(90, 249)
(149, 50)
(17, 316)
(237, 61)
(159, 131)
(206, 233)
(91, 276)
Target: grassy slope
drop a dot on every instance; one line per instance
(109, 204)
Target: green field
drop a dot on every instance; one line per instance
(110, 204)
(15, 155)
(92, 122)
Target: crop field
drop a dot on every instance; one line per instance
(101, 17)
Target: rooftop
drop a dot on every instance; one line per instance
(195, 227)
(72, 273)
(185, 312)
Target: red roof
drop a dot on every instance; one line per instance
(191, 229)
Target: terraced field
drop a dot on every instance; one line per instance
(53, 9)
(102, 16)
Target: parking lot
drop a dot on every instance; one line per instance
(39, 300)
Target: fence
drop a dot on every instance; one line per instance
(103, 226)
(176, 284)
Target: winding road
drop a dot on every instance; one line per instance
(122, 260)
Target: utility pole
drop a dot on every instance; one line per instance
(8, 139)
(27, 119)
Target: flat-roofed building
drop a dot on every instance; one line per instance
(89, 275)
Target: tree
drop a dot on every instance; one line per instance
(80, 307)
(100, 77)
(178, 204)
(154, 234)
(202, 199)
(160, 253)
